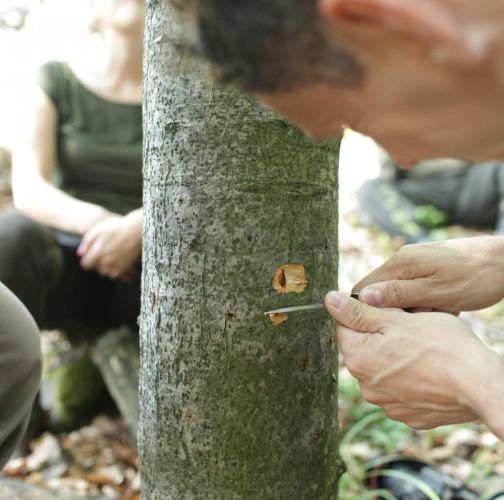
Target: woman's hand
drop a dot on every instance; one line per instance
(425, 369)
(452, 276)
(113, 246)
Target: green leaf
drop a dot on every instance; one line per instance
(360, 425)
(418, 483)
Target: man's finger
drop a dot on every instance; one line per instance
(397, 293)
(356, 315)
(382, 273)
(432, 309)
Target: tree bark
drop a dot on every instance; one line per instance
(232, 406)
(115, 354)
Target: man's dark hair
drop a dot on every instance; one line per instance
(269, 45)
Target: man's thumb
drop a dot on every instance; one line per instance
(354, 314)
(395, 293)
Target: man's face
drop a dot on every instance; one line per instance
(413, 102)
(426, 113)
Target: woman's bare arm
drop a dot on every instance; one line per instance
(34, 153)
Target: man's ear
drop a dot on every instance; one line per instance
(427, 22)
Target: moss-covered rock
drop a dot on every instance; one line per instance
(72, 388)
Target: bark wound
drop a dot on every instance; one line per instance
(290, 278)
(190, 416)
(278, 319)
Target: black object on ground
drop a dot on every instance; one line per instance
(410, 479)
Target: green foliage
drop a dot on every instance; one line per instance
(368, 436)
(430, 216)
(77, 388)
(407, 226)
(364, 424)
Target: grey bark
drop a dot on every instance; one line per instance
(13, 489)
(116, 356)
(232, 407)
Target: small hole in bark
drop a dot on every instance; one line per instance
(316, 435)
(231, 313)
(153, 300)
(305, 362)
(281, 279)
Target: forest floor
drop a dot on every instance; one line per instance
(96, 461)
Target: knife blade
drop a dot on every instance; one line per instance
(295, 309)
(310, 307)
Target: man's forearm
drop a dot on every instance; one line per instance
(483, 389)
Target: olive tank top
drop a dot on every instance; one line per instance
(99, 142)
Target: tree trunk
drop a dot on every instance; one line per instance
(232, 406)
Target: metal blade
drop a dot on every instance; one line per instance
(295, 309)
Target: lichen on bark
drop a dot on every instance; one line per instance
(232, 407)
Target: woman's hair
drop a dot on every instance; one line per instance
(270, 45)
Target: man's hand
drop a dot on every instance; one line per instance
(451, 276)
(112, 247)
(424, 369)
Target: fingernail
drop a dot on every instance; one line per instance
(336, 300)
(80, 251)
(371, 296)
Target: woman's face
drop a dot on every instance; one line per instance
(122, 15)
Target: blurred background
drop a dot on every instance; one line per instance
(31, 33)
(468, 452)
(92, 455)
(78, 444)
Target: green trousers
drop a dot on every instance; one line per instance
(20, 370)
(473, 196)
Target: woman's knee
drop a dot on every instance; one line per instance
(21, 355)
(19, 337)
(20, 368)
(26, 244)
(20, 235)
